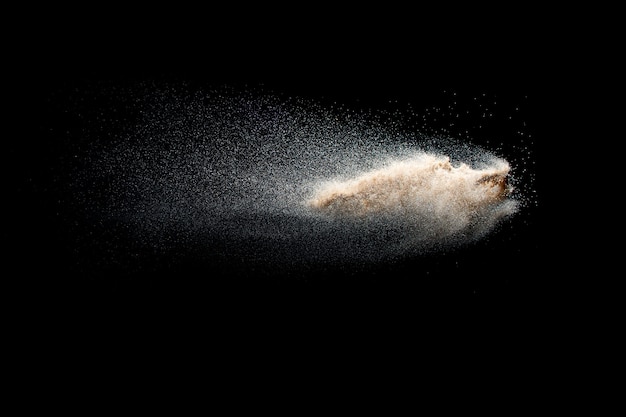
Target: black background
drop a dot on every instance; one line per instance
(498, 324)
(505, 282)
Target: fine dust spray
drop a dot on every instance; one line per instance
(258, 176)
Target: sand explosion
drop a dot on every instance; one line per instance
(256, 177)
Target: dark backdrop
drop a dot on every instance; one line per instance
(360, 61)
